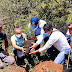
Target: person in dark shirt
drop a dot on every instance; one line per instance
(4, 55)
(3, 37)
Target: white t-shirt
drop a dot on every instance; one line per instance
(20, 43)
(41, 24)
(14, 38)
(58, 40)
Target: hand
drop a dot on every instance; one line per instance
(23, 50)
(34, 52)
(6, 53)
(28, 38)
(34, 45)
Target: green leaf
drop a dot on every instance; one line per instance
(60, 9)
(43, 5)
(69, 19)
(58, 0)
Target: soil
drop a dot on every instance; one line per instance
(47, 66)
(13, 68)
(27, 44)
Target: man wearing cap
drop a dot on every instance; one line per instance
(4, 56)
(37, 26)
(69, 36)
(57, 39)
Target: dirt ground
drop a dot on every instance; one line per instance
(13, 68)
(47, 66)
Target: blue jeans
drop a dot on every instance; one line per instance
(71, 57)
(61, 56)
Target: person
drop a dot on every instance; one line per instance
(57, 39)
(69, 36)
(37, 26)
(4, 55)
(18, 46)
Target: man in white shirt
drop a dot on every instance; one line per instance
(57, 39)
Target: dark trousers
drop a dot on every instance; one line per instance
(52, 50)
(46, 39)
(38, 54)
(28, 57)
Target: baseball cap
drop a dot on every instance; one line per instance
(1, 24)
(34, 21)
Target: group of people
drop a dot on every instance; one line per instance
(55, 41)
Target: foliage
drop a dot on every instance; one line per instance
(19, 12)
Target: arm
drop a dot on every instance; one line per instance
(41, 37)
(39, 40)
(46, 46)
(37, 51)
(15, 46)
(6, 44)
(13, 38)
(53, 38)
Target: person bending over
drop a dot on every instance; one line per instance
(57, 39)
